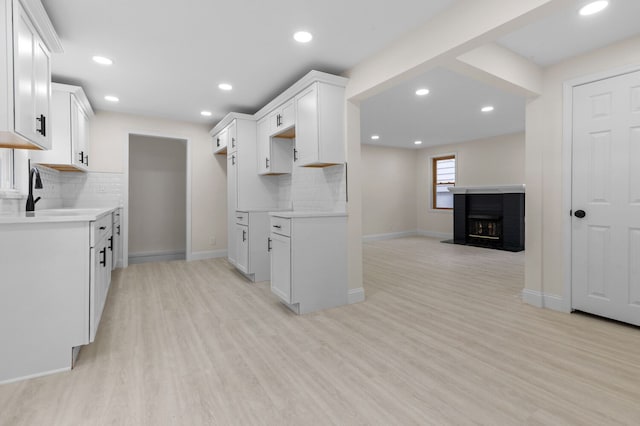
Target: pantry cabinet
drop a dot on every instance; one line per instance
(26, 43)
(70, 115)
(246, 191)
(308, 260)
(320, 125)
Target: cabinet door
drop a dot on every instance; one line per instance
(242, 248)
(232, 204)
(281, 267)
(32, 81)
(263, 141)
(79, 135)
(288, 115)
(307, 126)
(232, 137)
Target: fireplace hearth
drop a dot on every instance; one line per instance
(491, 217)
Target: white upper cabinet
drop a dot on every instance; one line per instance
(274, 154)
(25, 74)
(70, 114)
(282, 119)
(320, 126)
(220, 142)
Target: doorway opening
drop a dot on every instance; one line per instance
(157, 203)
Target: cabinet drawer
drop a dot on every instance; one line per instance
(281, 225)
(101, 228)
(242, 218)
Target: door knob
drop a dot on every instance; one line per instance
(580, 214)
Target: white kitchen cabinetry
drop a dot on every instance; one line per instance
(320, 126)
(25, 74)
(251, 232)
(117, 240)
(56, 273)
(70, 115)
(309, 260)
(282, 119)
(100, 276)
(275, 154)
(220, 141)
(246, 190)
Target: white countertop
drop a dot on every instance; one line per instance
(293, 214)
(56, 215)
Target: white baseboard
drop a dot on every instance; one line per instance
(204, 255)
(389, 236)
(135, 258)
(33, 376)
(356, 295)
(540, 300)
(432, 234)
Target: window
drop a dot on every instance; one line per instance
(444, 176)
(6, 169)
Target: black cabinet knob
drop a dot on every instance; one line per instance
(580, 214)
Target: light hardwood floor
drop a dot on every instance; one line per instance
(443, 338)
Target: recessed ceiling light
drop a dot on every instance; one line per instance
(418, 142)
(593, 7)
(102, 60)
(225, 86)
(205, 113)
(487, 108)
(375, 137)
(303, 37)
(111, 98)
(422, 92)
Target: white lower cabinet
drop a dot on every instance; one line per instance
(309, 260)
(55, 281)
(249, 249)
(281, 266)
(242, 248)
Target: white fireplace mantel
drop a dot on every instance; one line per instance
(493, 189)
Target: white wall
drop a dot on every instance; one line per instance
(396, 183)
(544, 265)
(157, 195)
(494, 161)
(109, 137)
(388, 190)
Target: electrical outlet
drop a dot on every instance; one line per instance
(102, 188)
(212, 241)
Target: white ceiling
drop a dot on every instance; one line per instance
(169, 56)
(566, 34)
(449, 113)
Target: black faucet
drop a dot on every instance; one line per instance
(31, 203)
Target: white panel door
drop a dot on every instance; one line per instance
(606, 198)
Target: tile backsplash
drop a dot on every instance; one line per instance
(314, 189)
(73, 190)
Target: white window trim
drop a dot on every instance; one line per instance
(430, 167)
(8, 184)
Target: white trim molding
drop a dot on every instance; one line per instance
(540, 300)
(163, 256)
(389, 236)
(356, 295)
(433, 234)
(204, 255)
(567, 165)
